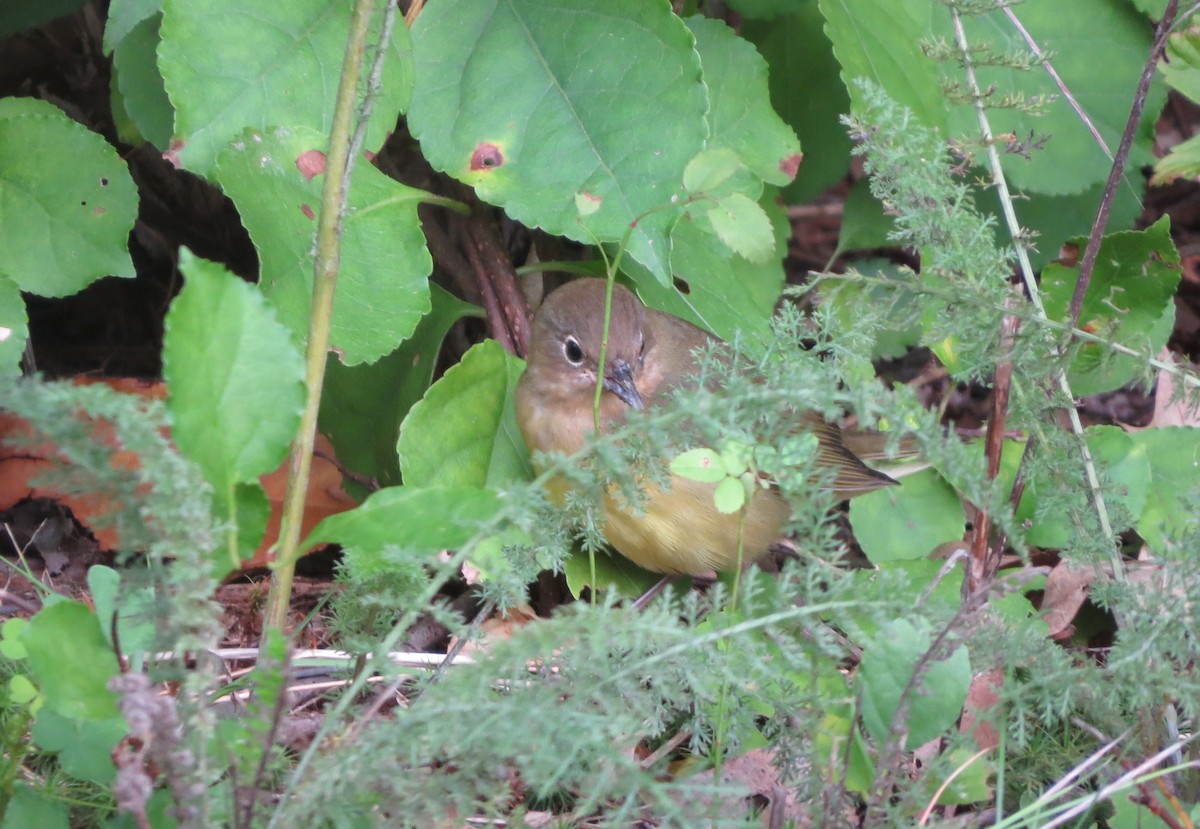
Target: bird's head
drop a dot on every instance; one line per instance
(564, 349)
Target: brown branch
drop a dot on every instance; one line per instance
(498, 278)
(1088, 263)
(977, 565)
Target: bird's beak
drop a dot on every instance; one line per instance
(619, 381)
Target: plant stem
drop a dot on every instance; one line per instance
(325, 271)
(1031, 287)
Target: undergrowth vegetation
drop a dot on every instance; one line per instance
(947, 683)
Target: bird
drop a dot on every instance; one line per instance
(677, 530)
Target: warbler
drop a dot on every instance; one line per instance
(678, 529)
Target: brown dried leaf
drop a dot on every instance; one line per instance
(1066, 590)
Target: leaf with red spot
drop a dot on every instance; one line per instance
(535, 101)
(740, 115)
(228, 65)
(382, 289)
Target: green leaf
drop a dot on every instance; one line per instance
(907, 521)
(362, 406)
(613, 572)
(84, 747)
(832, 736)
(34, 807)
(428, 520)
(143, 96)
(14, 328)
(740, 116)
(895, 290)
(887, 666)
(730, 495)
(251, 511)
(229, 65)
(879, 40)
(519, 99)
(744, 226)
(808, 93)
(1057, 218)
(1072, 161)
(715, 288)
(1129, 299)
(275, 179)
(11, 645)
(1181, 69)
(1181, 161)
(134, 609)
(970, 785)
(586, 204)
(123, 16)
(1126, 472)
(903, 581)
(21, 690)
(71, 661)
(464, 431)
(710, 169)
(235, 382)
(700, 464)
(66, 194)
(1169, 516)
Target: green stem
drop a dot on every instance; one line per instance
(333, 199)
(587, 268)
(450, 204)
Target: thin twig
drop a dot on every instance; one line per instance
(1031, 287)
(1088, 263)
(1058, 81)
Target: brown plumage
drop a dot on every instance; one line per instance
(649, 353)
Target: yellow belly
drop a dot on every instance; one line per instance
(680, 531)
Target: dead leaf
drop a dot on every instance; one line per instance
(1066, 591)
(982, 697)
(755, 780)
(1169, 411)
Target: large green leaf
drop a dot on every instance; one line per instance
(534, 102)
(1071, 161)
(235, 381)
(807, 92)
(924, 507)
(464, 431)
(715, 288)
(887, 667)
(879, 41)
(409, 518)
(84, 747)
(235, 386)
(123, 17)
(1126, 472)
(67, 201)
(1169, 518)
(71, 661)
(1129, 299)
(362, 406)
(35, 807)
(229, 65)
(740, 116)
(275, 179)
(135, 72)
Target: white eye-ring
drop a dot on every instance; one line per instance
(572, 351)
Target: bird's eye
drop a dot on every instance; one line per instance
(572, 351)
